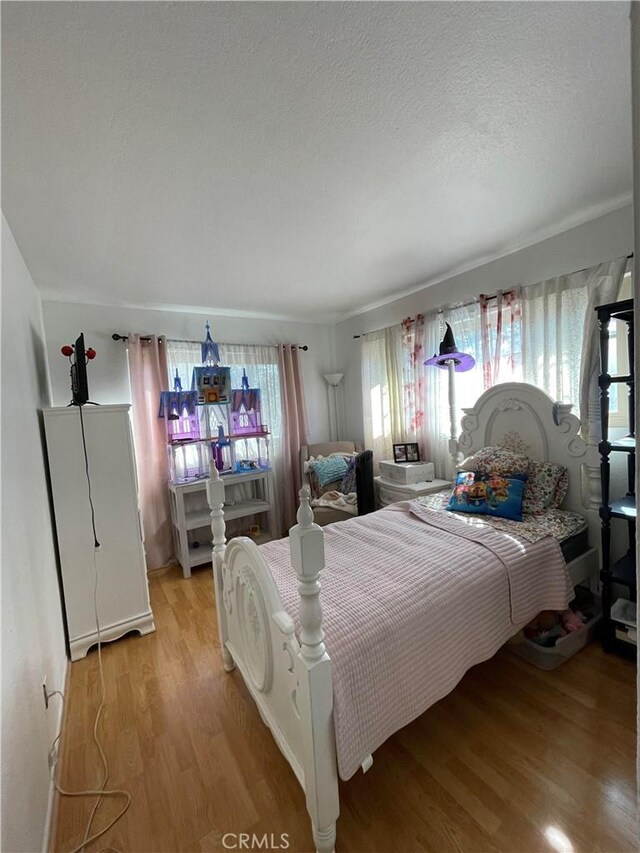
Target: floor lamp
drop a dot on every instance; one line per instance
(454, 362)
(333, 380)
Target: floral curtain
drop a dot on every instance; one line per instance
(413, 381)
(424, 393)
(532, 334)
(417, 409)
(501, 322)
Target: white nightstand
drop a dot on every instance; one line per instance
(389, 491)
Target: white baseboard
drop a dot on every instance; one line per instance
(52, 804)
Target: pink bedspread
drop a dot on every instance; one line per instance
(412, 598)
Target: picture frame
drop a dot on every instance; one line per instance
(399, 452)
(408, 451)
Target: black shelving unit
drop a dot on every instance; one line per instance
(621, 572)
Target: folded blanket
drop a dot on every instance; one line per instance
(336, 500)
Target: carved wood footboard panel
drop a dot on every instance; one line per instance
(262, 643)
(289, 679)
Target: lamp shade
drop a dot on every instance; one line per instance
(449, 352)
(333, 378)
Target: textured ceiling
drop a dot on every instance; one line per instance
(302, 159)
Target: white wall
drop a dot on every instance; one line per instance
(32, 633)
(108, 375)
(602, 239)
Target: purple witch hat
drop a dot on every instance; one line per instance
(449, 352)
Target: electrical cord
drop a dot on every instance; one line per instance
(55, 693)
(102, 791)
(96, 544)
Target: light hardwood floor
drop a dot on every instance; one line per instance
(507, 761)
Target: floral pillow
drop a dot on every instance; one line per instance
(497, 460)
(488, 494)
(546, 487)
(562, 488)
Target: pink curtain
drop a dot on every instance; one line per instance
(148, 375)
(294, 428)
(500, 320)
(414, 385)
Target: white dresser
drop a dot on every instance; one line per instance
(390, 491)
(123, 592)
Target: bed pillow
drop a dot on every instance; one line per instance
(497, 460)
(468, 464)
(488, 494)
(547, 486)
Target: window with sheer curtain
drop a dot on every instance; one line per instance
(405, 401)
(261, 364)
(543, 334)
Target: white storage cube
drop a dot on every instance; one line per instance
(407, 473)
(388, 491)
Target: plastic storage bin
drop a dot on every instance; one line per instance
(553, 656)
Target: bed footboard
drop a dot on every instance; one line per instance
(289, 679)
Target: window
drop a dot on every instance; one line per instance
(532, 334)
(619, 362)
(261, 364)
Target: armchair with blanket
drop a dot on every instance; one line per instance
(329, 500)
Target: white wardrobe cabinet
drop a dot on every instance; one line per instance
(123, 591)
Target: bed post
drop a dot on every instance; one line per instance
(315, 694)
(215, 496)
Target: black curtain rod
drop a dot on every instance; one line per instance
(471, 302)
(438, 311)
(117, 337)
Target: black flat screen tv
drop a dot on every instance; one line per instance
(79, 385)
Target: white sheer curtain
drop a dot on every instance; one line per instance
(603, 286)
(404, 400)
(382, 391)
(545, 334)
(261, 364)
(553, 325)
(465, 325)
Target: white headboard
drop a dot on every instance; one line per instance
(522, 417)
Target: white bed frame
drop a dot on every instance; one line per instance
(290, 678)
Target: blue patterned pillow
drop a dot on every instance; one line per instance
(488, 494)
(328, 470)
